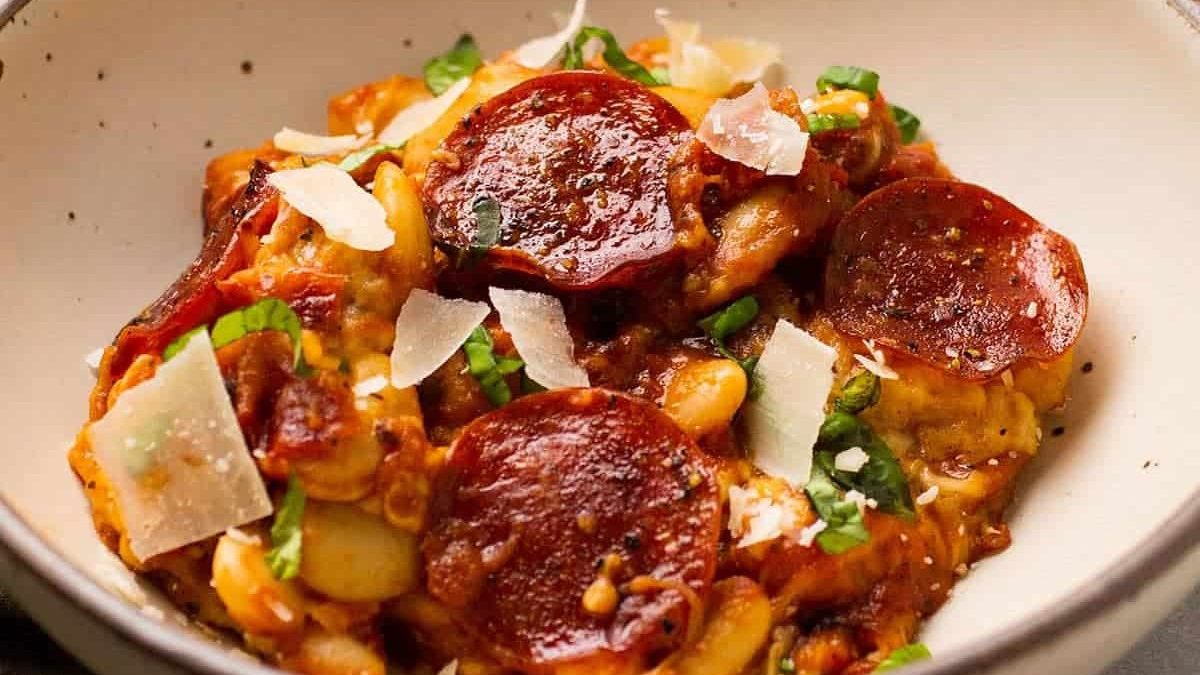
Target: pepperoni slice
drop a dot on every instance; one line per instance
(577, 162)
(194, 298)
(956, 276)
(548, 487)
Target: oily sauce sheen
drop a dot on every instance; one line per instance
(546, 487)
(577, 162)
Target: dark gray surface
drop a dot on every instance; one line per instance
(1172, 649)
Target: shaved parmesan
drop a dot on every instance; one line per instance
(346, 212)
(796, 374)
(420, 115)
(539, 52)
(746, 130)
(716, 67)
(176, 457)
(371, 385)
(747, 60)
(290, 140)
(93, 360)
(429, 330)
(851, 460)
(539, 331)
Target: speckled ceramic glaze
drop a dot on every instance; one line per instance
(1083, 112)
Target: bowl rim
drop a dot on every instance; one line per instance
(1116, 583)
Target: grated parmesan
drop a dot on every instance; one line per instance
(928, 496)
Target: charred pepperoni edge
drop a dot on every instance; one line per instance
(618, 253)
(517, 481)
(283, 416)
(955, 276)
(194, 298)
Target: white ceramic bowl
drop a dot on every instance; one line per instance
(1081, 111)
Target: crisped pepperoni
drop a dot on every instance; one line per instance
(956, 276)
(577, 162)
(547, 487)
(194, 298)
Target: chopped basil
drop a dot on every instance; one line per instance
(881, 478)
(849, 77)
(463, 59)
(730, 319)
(822, 122)
(907, 122)
(487, 225)
(266, 314)
(179, 343)
(787, 665)
(614, 56)
(487, 368)
(362, 156)
(858, 393)
(725, 322)
(287, 533)
(844, 526)
(903, 656)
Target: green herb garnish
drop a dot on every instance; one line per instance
(903, 656)
(725, 322)
(849, 77)
(362, 156)
(463, 59)
(844, 526)
(179, 343)
(614, 56)
(880, 478)
(822, 122)
(787, 665)
(907, 122)
(487, 368)
(487, 225)
(287, 532)
(858, 393)
(266, 314)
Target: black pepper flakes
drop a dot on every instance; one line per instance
(100, 74)
(49, 57)
(247, 67)
(1058, 431)
(407, 42)
(70, 215)
(1087, 367)
(208, 143)
(1, 69)
(668, 626)
(102, 125)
